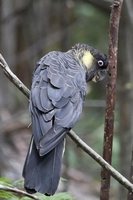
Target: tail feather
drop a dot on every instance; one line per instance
(42, 173)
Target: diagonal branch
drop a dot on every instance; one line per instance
(17, 191)
(121, 179)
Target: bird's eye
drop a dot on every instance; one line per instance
(100, 63)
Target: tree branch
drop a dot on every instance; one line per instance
(110, 96)
(121, 179)
(17, 191)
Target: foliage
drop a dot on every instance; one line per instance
(59, 196)
(5, 195)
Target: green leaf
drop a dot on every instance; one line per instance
(18, 183)
(6, 195)
(5, 181)
(58, 196)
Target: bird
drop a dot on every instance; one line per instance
(59, 85)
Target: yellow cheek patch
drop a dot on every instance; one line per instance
(87, 59)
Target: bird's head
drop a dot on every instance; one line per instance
(94, 62)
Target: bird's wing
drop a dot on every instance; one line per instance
(55, 101)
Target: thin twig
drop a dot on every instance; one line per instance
(110, 96)
(17, 191)
(79, 141)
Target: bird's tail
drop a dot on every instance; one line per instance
(42, 173)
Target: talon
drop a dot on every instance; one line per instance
(116, 3)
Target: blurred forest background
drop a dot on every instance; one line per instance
(28, 30)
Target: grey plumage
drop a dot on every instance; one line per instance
(57, 93)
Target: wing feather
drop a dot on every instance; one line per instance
(55, 103)
(51, 140)
(54, 94)
(56, 100)
(56, 79)
(44, 99)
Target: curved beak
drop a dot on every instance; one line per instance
(99, 75)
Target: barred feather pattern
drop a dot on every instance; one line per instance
(56, 101)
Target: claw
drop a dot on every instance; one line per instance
(116, 3)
